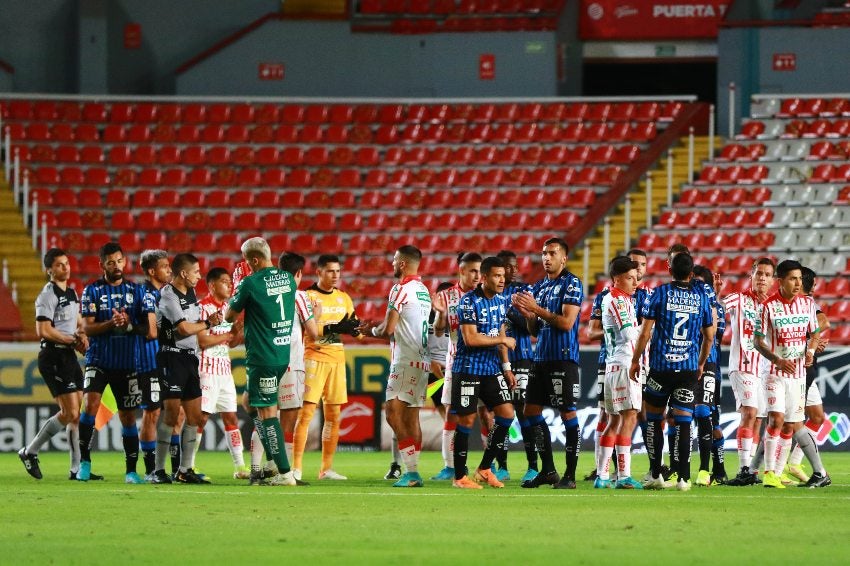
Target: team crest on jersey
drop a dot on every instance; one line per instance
(556, 289)
(129, 298)
(464, 401)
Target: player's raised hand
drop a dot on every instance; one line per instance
(438, 303)
(215, 318)
(119, 318)
(317, 308)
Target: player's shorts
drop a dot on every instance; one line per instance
(707, 386)
(290, 391)
(408, 382)
(468, 389)
(325, 381)
(677, 387)
(811, 374)
(749, 392)
(554, 384)
(151, 392)
(60, 369)
(446, 396)
(263, 384)
(813, 396)
(123, 382)
(218, 393)
(522, 372)
(620, 392)
(437, 395)
(786, 395)
(600, 385)
(179, 377)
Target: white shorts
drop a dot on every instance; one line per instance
(749, 392)
(620, 392)
(786, 395)
(290, 391)
(446, 396)
(813, 395)
(408, 383)
(218, 393)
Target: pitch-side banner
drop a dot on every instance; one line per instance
(650, 19)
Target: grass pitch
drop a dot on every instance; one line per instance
(366, 521)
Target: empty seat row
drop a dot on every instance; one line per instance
(777, 128)
(715, 218)
(800, 107)
(451, 7)
(777, 150)
(724, 196)
(791, 240)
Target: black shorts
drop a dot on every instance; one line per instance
(151, 393)
(554, 384)
(600, 384)
(522, 370)
(123, 382)
(179, 378)
(677, 387)
(438, 394)
(811, 374)
(706, 390)
(467, 389)
(60, 369)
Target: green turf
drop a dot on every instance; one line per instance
(365, 521)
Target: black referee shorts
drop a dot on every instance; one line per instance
(60, 369)
(179, 378)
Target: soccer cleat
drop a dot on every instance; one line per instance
(85, 471)
(189, 476)
(719, 479)
(591, 476)
(283, 479)
(529, 475)
(599, 483)
(133, 478)
(798, 472)
(394, 472)
(703, 478)
(30, 462)
(817, 480)
(655, 483)
(547, 478)
(257, 479)
(242, 474)
(331, 475)
(72, 476)
(159, 476)
(488, 477)
(628, 483)
(301, 483)
(466, 483)
(445, 474)
(409, 479)
(683, 485)
(503, 475)
(667, 473)
(565, 483)
(744, 477)
(295, 472)
(773, 481)
(787, 480)
(671, 480)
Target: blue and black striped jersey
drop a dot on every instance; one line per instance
(680, 311)
(519, 332)
(714, 356)
(148, 348)
(554, 344)
(115, 349)
(488, 316)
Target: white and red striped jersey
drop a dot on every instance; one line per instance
(303, 313)
(215, 360)
(785, 326)
(619, 327)
(409, 342)
(744, 310)
(451, 298)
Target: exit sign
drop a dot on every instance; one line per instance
(270, 71)
(784, 61)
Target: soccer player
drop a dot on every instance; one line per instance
(522, 363)
(744, 308)
(788, 318)
(59, 325)
(267, 296)
(445, 303)
(621, 392)
(113, 311)
(324, 366)
(481, 370)
(178, 318)
(218, 391)
(157, 270)
(406, 325)
(551, 311)
(681, 317)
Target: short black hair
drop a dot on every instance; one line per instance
(681, 266)
(561, 242)
(469, 257)
(325, 259)
(445, 285)
(489, 263)
(215, 274)
(51, 256)
(291, 262)
(787, 266)
(181, 262)
(808, 279)
(620, 265)
(110, 248)
(410, 253)
(149, 258)
(705, 274)
(763, 261)
(506, 254)
(636, 251)
(677, 248)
